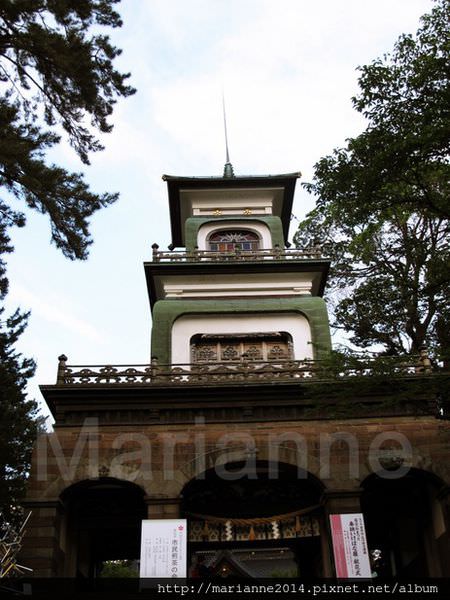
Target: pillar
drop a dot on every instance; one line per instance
(443, 538)
(41, 548)
(163, 508)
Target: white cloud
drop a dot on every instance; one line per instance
(50, 310)
(288, 72)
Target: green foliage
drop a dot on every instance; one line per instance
(402, 157)
(284, 573)
(347, 384)
(119, 568)
(19, 423)
(382, 201)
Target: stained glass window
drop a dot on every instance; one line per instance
(230, 240)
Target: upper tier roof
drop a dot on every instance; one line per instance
(181, 208)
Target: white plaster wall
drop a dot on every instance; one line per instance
(254, 284)
(189, 325)
(260, 228)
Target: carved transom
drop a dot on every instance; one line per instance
(254, 347)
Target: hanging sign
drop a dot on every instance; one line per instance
(351, 556)
(163, 548)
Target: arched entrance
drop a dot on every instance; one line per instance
(102, 523)
(258, 522)
(405, 524)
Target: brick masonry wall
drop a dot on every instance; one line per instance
(162, 459)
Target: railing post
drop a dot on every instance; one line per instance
(154, 368)
(277, 251)
(155, 252)
(60, 377)
(317, 249)
(425, 360)
(245, 364)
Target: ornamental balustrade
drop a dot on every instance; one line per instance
(237, 372)
(197, 255)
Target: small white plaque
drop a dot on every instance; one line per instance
(163, 548)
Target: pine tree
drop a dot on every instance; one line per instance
(19, 423)
(56, 78)
(57, 74)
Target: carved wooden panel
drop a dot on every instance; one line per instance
(240, 348)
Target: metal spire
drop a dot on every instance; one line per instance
(228, 169)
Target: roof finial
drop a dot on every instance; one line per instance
(228, 169)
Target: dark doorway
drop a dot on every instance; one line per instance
(103, 522)
(250, 508)
(404, 523)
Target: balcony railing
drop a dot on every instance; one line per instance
(197, 255)
(235, 372)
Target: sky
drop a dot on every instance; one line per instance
(288, 69)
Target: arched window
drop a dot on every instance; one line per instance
(206, 348)
(229, 240)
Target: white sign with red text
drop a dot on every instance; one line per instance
(163, 548)
(351, 555)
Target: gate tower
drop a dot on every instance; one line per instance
(239, 422)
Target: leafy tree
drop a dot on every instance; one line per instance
(389, 279)
(19, 423)
(401, 159)
(382, 201)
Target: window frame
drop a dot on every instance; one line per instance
(251, 347)
(254, 244)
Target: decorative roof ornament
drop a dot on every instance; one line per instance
(228, 169)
